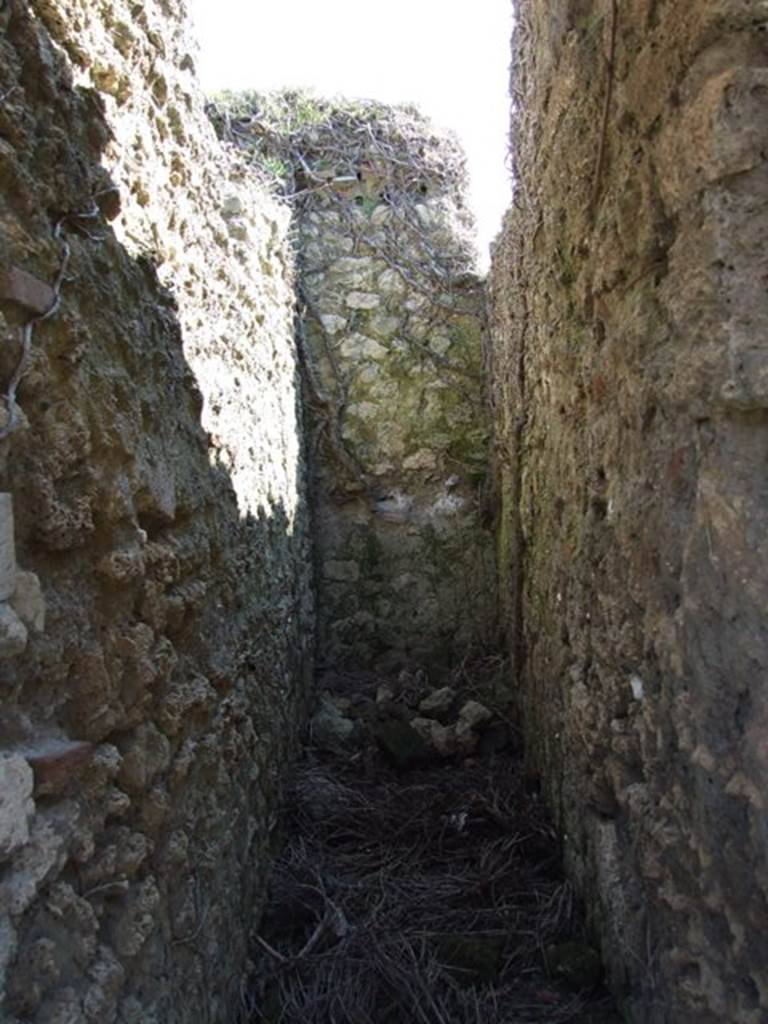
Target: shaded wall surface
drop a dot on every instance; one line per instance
(629, 347)
(155, 605)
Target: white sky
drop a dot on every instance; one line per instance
(450, 58)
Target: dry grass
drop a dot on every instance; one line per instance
(378, 876)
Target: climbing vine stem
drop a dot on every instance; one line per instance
(27, 329)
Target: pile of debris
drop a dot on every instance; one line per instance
(419, 877)
(408, 722)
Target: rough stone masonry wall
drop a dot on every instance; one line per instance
(393, 328)
(631, 392)
(155, 644)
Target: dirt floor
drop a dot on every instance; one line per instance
(423, 889)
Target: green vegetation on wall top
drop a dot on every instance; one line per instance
(299, 141)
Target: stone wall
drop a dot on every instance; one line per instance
(629, 324)
(393, 328)
(155, 644)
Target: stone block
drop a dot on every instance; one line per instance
(391, 283)
(441, 738)
(439, 703)
(28, 601)
(474, 714)
(232, 206)
(26, 290)
(472, 717)
(358, 346)
(13, 633)
(362, 300)
(16, 804)
(354, 271)
(109, 202)
(422, 459)
(384, 324)
(333, 323)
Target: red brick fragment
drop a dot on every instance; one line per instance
(56, 764)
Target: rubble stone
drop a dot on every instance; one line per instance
(16, 804)
(439, 704)
(13, 633)
(28, 601)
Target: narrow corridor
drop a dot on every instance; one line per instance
(418, 884)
